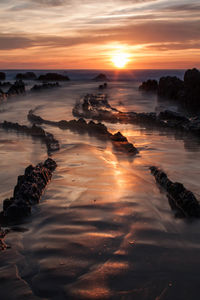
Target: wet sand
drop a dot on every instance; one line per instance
(103, 229)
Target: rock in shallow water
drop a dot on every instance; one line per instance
(181, 198)
(28, 190)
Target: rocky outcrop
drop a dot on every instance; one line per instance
(53, 77)
(149, 86)
(2, 76)
(101, 77)
(28, 191)
(103, 86)
(26, 76)
(5, 84)
(170, 87)
(99, 130)
(179, 197)
(186, 92)
(44, 86)
(17, 88)
(97, 107)
(36, 132)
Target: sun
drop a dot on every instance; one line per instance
(120, 60)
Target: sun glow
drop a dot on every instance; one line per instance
(120, 60)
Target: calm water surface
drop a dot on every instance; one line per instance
(103, 229)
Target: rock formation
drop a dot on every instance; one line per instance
(179, 197)
(2, 76)
(44, 86)
(26, 76)
(53, 77)
(186, 92)
(28, 191)
(149, 86)
(119, 142)
(100, 77)
(36, 132)
(97, 107)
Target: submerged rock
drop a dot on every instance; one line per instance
(36, 132)
(149, 86)
(28, 191)
(53, 77)
(44, 86)
(179, 197)
(26, 76)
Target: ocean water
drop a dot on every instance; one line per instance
(103, 228)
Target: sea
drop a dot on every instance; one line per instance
(103, 229)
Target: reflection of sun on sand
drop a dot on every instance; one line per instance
(120, 60)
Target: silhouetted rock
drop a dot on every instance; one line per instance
(149, 86)
(183, 200)
(97, 107)
(192, 89)
(17, 88)
(53, 77)
(2, 76)
(26, 76)
(44, 86)
(170, 87)
(99, 130)
(5, 84)
(100, 77)
(36, 132)
(186, 92)
(28, 191)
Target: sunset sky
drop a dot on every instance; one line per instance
(84, 34)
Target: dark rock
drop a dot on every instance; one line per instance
(182, 199)
(192, 90)
(36, 132)
(53, 77)
(170, 87)
(101, 77)
(99, 130)
(26, 76)
(2, 76)
(44, 86)
(28, 190)
(17, 88)
(171, 115)
(5, 84)
(97, 107)
(149, 86)
(103, 86)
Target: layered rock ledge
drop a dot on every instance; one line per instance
(99, 130)
(27, 192)
(179, 197)
(36, 132)
(186, 92)
(97, 107)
